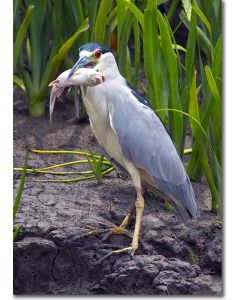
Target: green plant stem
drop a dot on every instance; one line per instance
(21, 35)
(53, 172)
(19, 83)
(90, 158)
(193, 167)
(194, 111)
(172, 9)
(75, 179)
(36, 109)
(45, 169)
(63, 165)
(17, 231)
(216, 199)
(68, 152)
(21, 185)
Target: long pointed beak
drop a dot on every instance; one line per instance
(82, 61)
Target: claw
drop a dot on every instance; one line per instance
(131, 250)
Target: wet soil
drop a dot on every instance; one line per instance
(54, 255)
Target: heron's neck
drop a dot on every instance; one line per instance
(109, 68)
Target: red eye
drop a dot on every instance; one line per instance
(98, 54)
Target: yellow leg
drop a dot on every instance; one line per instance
(139, 212)
(139, 205)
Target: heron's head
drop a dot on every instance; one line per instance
(93, 55)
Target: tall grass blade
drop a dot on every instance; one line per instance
(78, 13)
(123, 60)
(136, 11)
(90, 9)
(36, 26)
(15, 8)
(207, 24)
(16, 232)
(18, 82)
(25, 77)
(187, 5)
(172, 9)
(121, 17)
(128, 66)
(137, 53)
(176, 122)
(202, 38)
(194, 169)
(101, 19)
(213, 87)
(217, 62)
(28, 52)
(47, 34)
(194, 112)
(96, 165)
(21, 185)
(204, 20)
(189, 68)
(217, 113)
(151, 50)
(21, 35)
(190, 58)
(212, 14)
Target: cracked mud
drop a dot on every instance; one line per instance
(51, 254)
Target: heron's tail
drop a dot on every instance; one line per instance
(178, 206)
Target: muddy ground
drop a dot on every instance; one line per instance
(52, 254)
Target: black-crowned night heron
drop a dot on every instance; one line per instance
(134, 136)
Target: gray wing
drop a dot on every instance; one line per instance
(146, 143)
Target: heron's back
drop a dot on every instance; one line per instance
(145, 142)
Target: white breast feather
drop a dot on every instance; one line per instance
(96, 104)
